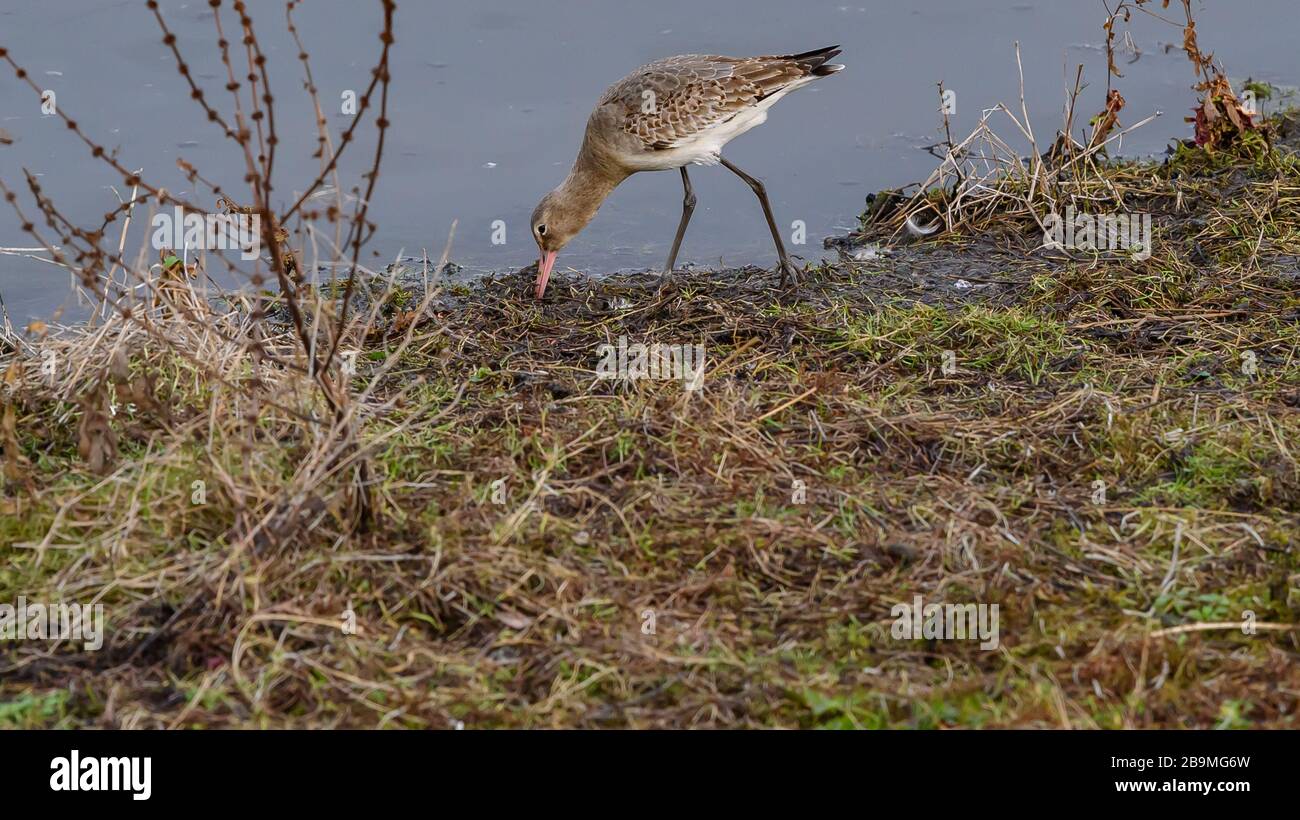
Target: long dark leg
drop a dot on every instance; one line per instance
(688, 208)
(787, 268)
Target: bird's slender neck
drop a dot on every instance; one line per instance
(590, 180)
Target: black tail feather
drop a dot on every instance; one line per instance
(814, 62)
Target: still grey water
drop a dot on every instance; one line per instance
(490, 97)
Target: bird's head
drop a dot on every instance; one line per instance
(556, 220)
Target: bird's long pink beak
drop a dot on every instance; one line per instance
(544, 266)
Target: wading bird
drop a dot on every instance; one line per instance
(669, 114)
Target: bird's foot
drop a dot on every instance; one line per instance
(665, 279)
(789, 271)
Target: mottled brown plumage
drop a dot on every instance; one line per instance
(669, 114)
(695, 92)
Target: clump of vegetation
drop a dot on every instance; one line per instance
(983, 186)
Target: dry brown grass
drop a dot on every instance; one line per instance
(974, 486)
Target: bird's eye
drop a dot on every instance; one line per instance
(541, 230)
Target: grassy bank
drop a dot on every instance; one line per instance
(1106, 448)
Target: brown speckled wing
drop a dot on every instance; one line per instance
(692, 93)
